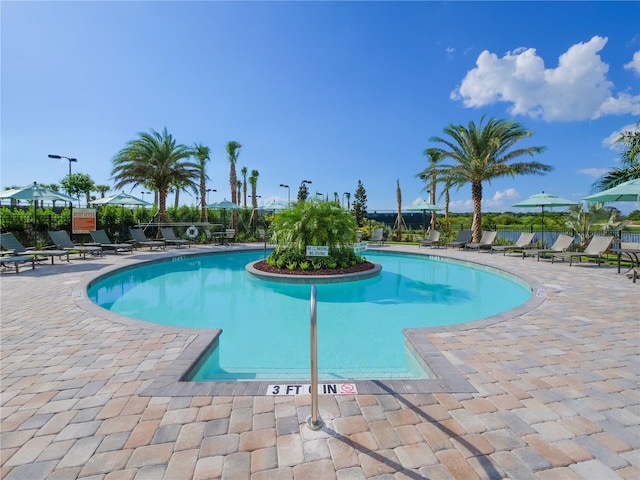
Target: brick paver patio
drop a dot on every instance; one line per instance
(555, 393)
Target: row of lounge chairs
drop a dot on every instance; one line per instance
(524, 245)
(14, 253)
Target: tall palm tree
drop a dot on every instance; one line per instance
(429, 175)
(233, 152)
(239, 194)
(629, 161)
(154, 159)
(243, 172)
(253, 181)
(399, 217)
(348, 200)
(102, 189)
(203, 154)
(482, 153)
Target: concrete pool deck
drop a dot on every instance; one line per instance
(554, 391)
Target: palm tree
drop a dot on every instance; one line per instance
(629, 161)
(239, 194)
(233, 152)
(253, 180)
(429, 174)
(399, 217)
(482, 153)
(202, 153)
(102, 189)
(154, 159)
(244, 171)
(348, 200)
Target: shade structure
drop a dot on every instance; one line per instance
(424, 207)
(544, 200)
(273, 207)
(123, 199)
(625, 192)
(224, 205)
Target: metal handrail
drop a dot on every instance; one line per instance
(314, 421)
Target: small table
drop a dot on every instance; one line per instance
(633, 253)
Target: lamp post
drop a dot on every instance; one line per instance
(318, 194)
(210, 190)
(71, 160)
(288, 193)
(303, 187)
(143, 194)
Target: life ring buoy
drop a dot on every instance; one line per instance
(192, 232)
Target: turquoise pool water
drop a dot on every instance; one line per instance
(266, 324)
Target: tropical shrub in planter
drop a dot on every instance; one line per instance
(314, 223)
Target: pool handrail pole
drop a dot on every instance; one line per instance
(314, 421)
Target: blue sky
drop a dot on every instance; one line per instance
(332, 92)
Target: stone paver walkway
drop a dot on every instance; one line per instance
(555, 393)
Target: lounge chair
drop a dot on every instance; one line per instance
(525, 240)
(486, 241)
(560, 245)
(230, 235)
(171, 239)
(12, 261)
(433, 239)
(597, 246)
(464, 237)
(141, 239)
(62, 241)
(101, 237)
(10, 242)
(377, 236)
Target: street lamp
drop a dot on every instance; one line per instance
(288, 193)
(62, 156)
(210, 190)
(318, 194)
(143, 194)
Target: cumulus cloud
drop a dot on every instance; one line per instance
(500, 200)
(634, 64)
(577, 89)
(593, 172)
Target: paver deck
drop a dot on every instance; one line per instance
(554, 392)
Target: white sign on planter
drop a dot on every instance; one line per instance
(360, 247)
(317, 251)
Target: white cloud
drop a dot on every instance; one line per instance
(577, 89)
(593, 172)
(634, 64)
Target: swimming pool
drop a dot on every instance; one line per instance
(266, 324)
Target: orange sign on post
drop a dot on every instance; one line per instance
(83, 220)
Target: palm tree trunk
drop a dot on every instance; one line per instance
(476, 195)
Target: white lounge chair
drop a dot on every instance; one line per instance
(433, 239)
(485, 242)
(525, 240)
(560, 245)
(597, 246)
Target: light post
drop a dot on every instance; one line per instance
(143, 194)
(318, 194)
(288, 193)
(303, 185)
(210, 190)
(68, 158)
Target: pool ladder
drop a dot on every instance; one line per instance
(314, 421)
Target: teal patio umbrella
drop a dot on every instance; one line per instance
(424, 207)
(224, 205)
(544, 200)
(36, 193)
(124, 200)
(624, 192)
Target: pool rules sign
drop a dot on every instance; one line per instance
(305, 389)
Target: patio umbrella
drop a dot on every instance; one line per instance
(36, 193)
(424, 207)
(224, 205)
(625, 192)
(544, 200)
